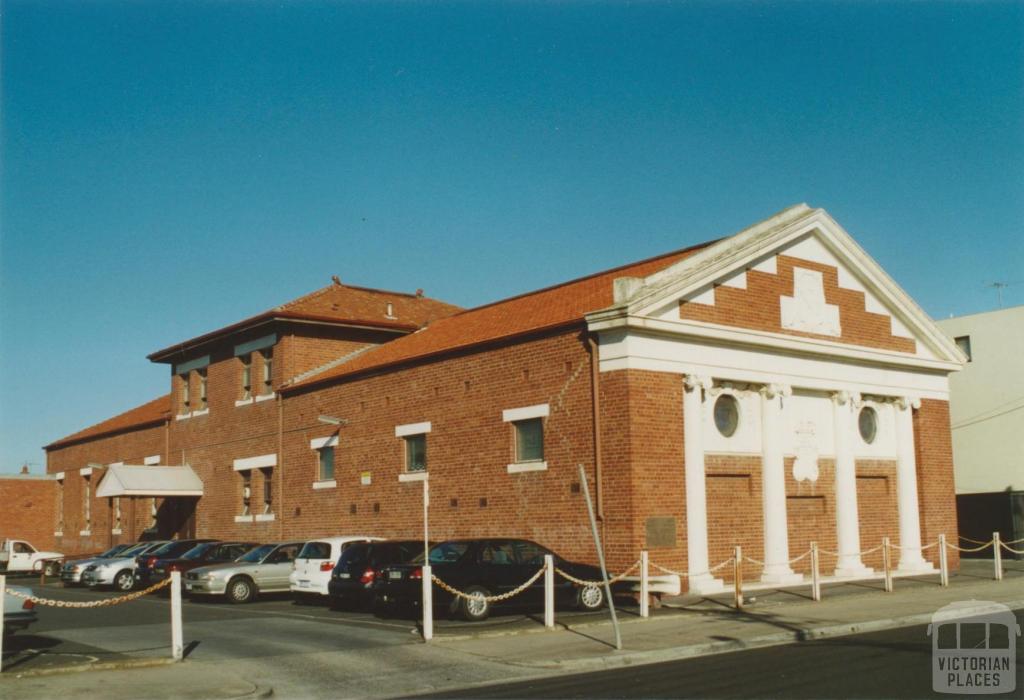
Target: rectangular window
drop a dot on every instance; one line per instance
(964, 343)
(202, 389)
(60, 505)
(246, 492)
(268, 490)
(117, 513)
(268, 371)
(246, 376)
(416, 453)
(153, 510)
(186, 394)
(529, 440)
(326, 463)
(87, 503)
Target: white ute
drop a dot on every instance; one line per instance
(311, 571)
(18, 556)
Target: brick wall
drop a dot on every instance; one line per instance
(758, 307)
(935, 489)
(26, 510)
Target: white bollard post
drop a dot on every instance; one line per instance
(177, 645)
(549, 591)
(428, 604)
(815, 573)
(645, 585)
(943, 562)
(3, 603)
(887, 564)
(737, 576)
(997, 558)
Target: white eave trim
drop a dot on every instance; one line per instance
(510, 415)
(241, 465)
(412, 429)
(320, 443)
(764, 339)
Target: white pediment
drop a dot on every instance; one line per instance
(801, 234)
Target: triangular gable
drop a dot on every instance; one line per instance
(796, 274)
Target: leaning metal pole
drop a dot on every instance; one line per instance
(600, 557)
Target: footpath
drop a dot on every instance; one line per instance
(680, 629)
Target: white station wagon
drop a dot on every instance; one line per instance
(311, 571)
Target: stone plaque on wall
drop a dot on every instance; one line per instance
(661, 531)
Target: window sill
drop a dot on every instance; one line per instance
(264, 518)
(243, 518)
(244, 402)
(200, 413)
(328, 484)
(183, 416)
(85, 533)
(58, 533)
(520, 467)
(265, 397)
(116, 531)
(413, 476)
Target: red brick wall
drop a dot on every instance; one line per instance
(27, 511)
(758, 307)
(936, 492)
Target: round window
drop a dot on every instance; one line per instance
(867, 421)
(727, 414)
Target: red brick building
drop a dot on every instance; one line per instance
(28, 506)
(768, 389)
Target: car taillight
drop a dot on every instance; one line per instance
(326, 566)
(417, 574)
(367, 577)
(28, 605)
(151, 561)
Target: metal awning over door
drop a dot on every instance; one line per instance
(138, 480)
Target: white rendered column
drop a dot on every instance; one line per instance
(906, 490)
(696, 488)
(773, 479)
(847, 520)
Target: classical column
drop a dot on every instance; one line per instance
(906, 489)
(696, 488)
(847, 520)
(773, 478)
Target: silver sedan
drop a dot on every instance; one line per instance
(264, 569)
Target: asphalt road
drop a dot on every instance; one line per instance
(891, 664)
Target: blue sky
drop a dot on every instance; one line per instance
(169, 168)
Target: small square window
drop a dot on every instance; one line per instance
(326, 463)
(268, 490)
(529, 440)
(268, 371)
(202, 389)
(964, 343)
(416, 453)
(246, 376)
(246, 492)
(186, 393)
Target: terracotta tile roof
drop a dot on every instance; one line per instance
(155, 411)
(341, 304)
(549, 308)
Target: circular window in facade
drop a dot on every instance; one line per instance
(727, 414)
(867, 421)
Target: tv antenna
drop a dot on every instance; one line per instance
(999, 287)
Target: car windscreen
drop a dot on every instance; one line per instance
(255, 556)
(198, 551)
(113, 550)
(172, 549)
(448, 552)
(136, 549)
(354, 555)
(316, 550)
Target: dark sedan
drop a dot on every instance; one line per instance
(202, 554)
(490, 567)
(172, 550)
(353, 577)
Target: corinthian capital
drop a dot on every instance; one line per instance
(770, 391)
(905, 402)
(696, 381)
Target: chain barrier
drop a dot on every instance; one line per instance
(968, 539)
(489, 598)
(922, 548)
(1011, 549)
(862, 553)
(92, 603)
(613, 579)
(970, 549)
(1015, 541)
(682, 574)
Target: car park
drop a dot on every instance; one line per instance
(264, 569)
(311, 572)
(71, 572)
(201, 555)
(488, 567)
(19, 612)
(352, 579)
(118, 572)
(172, 550)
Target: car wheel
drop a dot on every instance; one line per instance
(476, 609)
(52, 568)
(124, 581)
(241, 590)
(589, 598)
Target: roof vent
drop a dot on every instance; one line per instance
(336, 279)
(419, 292)
(390, 313)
